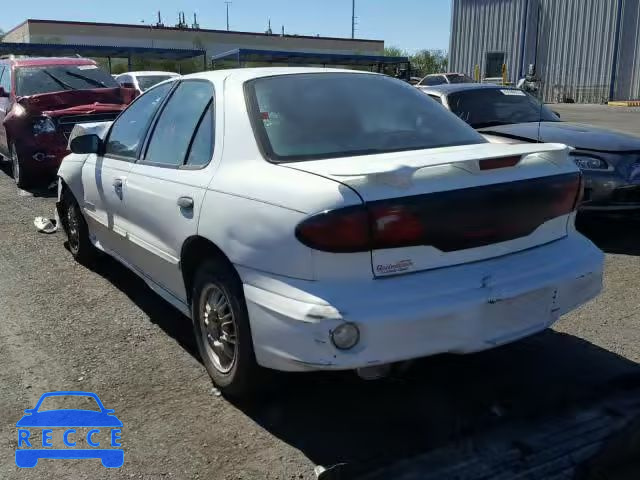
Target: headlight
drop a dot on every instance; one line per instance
(585, 162)
(43, 125)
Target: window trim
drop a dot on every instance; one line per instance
(146, 128)
(150, 131)
(209, 110)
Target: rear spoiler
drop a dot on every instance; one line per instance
(555, 152)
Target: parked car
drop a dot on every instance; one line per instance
(319, 219)
(610, 161)
(143, 81)
(444, 79)
(41, 99)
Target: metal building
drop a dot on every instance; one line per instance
(586, 51)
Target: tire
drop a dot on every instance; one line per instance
(77, 231)
(19, 175)
(216, 282)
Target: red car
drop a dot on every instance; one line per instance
(41, 99)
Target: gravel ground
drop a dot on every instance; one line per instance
(65, 327)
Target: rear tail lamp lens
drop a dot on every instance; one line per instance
(339, 231)
(449, 221)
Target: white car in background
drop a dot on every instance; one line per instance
(143, 81)
(319, 219)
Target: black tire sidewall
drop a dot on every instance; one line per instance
(86, 251)
(15, 158)
(242, 377)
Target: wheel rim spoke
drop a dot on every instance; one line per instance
(218, 328)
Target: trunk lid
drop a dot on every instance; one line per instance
(447, 206)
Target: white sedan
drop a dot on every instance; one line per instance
(311, 219)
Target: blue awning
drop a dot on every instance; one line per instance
(69, 50)
(281, 56)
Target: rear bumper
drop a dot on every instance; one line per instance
(459, 309)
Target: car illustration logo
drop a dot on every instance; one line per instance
(98, 428)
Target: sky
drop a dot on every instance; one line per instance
(408, 24)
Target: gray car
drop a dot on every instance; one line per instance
(610, 161)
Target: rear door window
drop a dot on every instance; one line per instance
(177, 124)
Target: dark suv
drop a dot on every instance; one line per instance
(41, 99)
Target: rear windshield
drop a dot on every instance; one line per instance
(55, 78)
(147, 81)
(489, 107)
(328, 115)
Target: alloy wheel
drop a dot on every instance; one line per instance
(73, 229)
(218, 327)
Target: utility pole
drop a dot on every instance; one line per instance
(227, 3)
(353, 18)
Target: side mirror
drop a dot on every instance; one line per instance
(128, 85)
(3, 93)
(556, 113)
(86, 144)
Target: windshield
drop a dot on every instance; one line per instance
(54, 78)
(327, 115)
(489, 107)
(147, 81)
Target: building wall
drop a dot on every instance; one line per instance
(571, 42)
(576, 49)
(20, 34)
(213, 41)
(627, 85)
(481, 26)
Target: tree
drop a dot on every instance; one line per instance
(424, 62)
(394, 52)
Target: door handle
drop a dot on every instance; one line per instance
(117, 186)
(185, 202)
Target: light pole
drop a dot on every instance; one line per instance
(227, 3)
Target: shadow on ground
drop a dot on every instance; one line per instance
(39, 191)
(336, 417)
(613, 235)
(172, 322)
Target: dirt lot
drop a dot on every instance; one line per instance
(65, 327)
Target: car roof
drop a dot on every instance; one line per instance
(444, 73)
(446, 89)
(49, 61)
(144, 73)
(242, 75)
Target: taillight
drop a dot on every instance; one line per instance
(448, 221)
(394, 226)
(345, 230)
